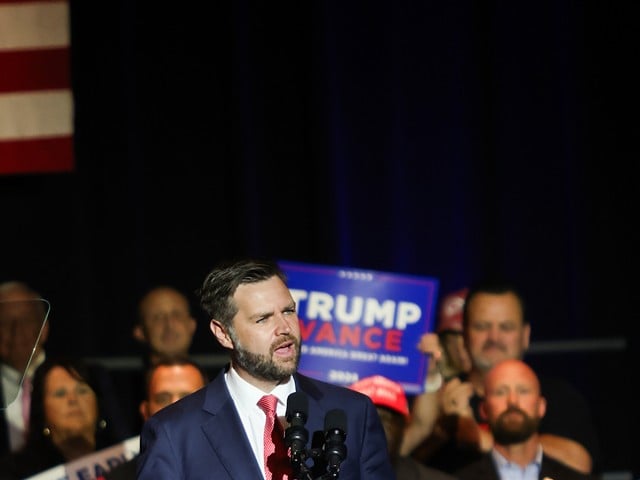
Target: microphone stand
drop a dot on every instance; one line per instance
(302, 471)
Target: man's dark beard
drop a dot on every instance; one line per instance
(507, 433)
(262, 366)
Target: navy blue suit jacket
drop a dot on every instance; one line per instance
(201, 436)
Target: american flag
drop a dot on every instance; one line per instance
(36, 102)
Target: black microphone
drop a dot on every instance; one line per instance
(335, 451)
(296, 436)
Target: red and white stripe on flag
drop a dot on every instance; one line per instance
(36, 102)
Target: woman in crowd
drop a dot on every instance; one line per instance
(65, 423)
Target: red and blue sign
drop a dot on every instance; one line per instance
(357, 323)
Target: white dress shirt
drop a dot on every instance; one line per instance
(245, 398)
(13, 393)
(512, 471)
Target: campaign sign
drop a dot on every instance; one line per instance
(93, 465)
(358, 323)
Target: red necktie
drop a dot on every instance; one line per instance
(276, 459)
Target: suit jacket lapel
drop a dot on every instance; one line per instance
(314, 396)
(487, 469)
(226, 434)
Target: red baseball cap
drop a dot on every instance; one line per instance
(384, 393)
(450, 313)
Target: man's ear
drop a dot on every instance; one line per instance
(138, 334)
(192, 325)
(482, 408)
(144, 410)
(45, 333)
(527, 336)
(221, 334)
(542, 407)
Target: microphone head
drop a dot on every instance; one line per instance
(297, 405)
(296, 436)
(335, 419)
(335, 450)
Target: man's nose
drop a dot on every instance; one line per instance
(283, 325)
(513, 398)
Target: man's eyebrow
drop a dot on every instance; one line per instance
(262, 314)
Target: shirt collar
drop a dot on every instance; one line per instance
(248, 395)
(14, 375)
(502, 461)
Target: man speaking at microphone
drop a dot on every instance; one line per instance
(227, 431)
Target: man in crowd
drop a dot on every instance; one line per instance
(23, 334)
(513, 407)
(391, 401)
(167, 381)
(165, 325)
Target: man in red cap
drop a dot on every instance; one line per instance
(448, 358)
(455, 358)
(393, 409)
